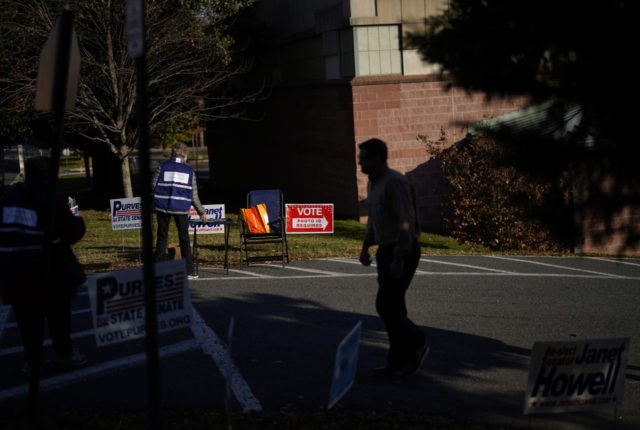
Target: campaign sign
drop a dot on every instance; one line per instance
(213, 212)
(126, 213)
(576, 376)
(118, 307)
(309, 218)
(344, 371)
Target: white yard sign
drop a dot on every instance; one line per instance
(214, 212)
(576, 375)
(118, 308)
(126, 213)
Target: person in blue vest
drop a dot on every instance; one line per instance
(175, 189)
(24, 284)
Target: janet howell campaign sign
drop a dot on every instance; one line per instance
(576, 375)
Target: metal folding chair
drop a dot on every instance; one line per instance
(260, 246)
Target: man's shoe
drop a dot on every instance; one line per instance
(416, 361)
(194, 276)
(387, 371)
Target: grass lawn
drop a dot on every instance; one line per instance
(104, 249)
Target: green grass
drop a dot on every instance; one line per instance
(103, 249)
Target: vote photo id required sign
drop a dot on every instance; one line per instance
(309, 218)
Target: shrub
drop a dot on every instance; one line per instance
(494, 203)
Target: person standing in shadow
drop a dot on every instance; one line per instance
(393, 225)
(24, 281)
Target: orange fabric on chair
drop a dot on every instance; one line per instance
(256, 218)
(264, 216)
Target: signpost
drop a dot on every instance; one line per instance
(136, 48)
(59, 52)
(58, 71)
(309, 218)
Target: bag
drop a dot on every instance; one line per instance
(256, 218)
(68, 271)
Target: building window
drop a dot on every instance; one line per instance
(377, 50)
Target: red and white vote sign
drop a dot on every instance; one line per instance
(309, 218)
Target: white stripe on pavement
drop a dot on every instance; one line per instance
(250, 274)
(205, 338)
(615, 260)
(316, 271)
(539, 263)
(212, 346)
(424, 273)
(350, 261)
(74, 376)
(428, 260)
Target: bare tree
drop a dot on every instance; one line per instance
(192, 63)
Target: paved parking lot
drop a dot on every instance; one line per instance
(481, 314)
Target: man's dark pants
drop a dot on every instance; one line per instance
(405, 338)
(30, 319)
(182, 223)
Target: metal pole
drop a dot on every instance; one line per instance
(151, 323)
(135, 29)
(58, 102)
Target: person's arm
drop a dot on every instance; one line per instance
(399, 194)
(195, 199)
(154, 180)
(367, 241)
(71, 228)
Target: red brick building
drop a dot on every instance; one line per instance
(341, 75)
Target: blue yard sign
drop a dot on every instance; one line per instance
(344, 371)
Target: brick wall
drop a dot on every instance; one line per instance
(618, 236)
(305, 142)
(398, 110)
(608, 205)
